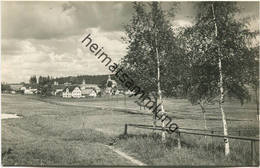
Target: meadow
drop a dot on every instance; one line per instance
(57, 131)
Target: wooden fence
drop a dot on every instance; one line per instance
(179, 132)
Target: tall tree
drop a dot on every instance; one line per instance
(150, 40)
(197, 75)
(45, 86)
(33, 80)
(5, 87)
(218, 54)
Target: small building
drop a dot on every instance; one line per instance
(28, 92)
(128, 92)
(72, 92)
(23, 88)
(89, 92)
(55, 83)
(59, 93)
(58, 89)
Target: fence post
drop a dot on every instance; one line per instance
(179, 139)
(239, 133)
(253, 152)
(212, 132)
(125, 133)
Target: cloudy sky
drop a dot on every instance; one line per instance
(43, 38)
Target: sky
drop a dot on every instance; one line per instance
(44, 38)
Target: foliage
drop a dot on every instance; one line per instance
(33, 80)
(253, 72)
(202, 51)
(45, 86)
(5, 87)
(89, 79)
(148, 29)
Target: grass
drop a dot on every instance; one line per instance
(55, 135)
(181, 111)
(56, 131)
(194, 151)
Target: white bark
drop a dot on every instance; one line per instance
(257, 102)
(221, 99)
(160, 92)
(154, 115)
(204, 114)
(204, 117)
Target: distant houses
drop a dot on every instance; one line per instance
(89, 92)
(22, 88)
(72, 92)
(70, 89)
(94, 87)
(58, 89)
(67, 90)
(77, 91)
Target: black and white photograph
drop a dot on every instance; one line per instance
(130, 83)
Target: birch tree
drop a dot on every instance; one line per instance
(198, 74)
(222, 47)
(150, 40)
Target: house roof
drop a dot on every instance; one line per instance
(90, 86)
(71, 88)
(87, 91)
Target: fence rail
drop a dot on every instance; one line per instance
(178, 132)
(193, 129)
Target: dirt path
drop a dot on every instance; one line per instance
(124, 155)
(7, 116)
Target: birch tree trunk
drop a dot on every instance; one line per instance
(257, 102)
(221, 99)
(154, 114)
(204, 114)
(160, 92)
(205, 121)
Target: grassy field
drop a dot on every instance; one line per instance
(56, 131)
(182, 112)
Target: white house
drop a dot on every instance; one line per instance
(89, 92)
(72, 92)
(28, 91)
(57, 91)
(23, 88)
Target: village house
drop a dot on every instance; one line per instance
(89, 92)
(84, 86)
(58, 89)
(29, 90)
(72, 92)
